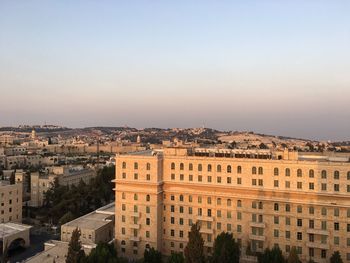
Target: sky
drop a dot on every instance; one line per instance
(275, 67)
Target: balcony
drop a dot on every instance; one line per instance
(205, 218)
(317, 245)
(135, 239)
(255, 237)
(132, 213)
(135, 226)
(317, 231)
(257, 224)
(206, 231)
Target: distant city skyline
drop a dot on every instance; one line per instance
(271, 67)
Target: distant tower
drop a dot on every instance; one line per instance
(138, 140)
(33, 134)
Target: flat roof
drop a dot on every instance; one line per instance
(94, 220)
(144, 153)
(8, 229)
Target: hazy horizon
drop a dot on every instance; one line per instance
(279, 68)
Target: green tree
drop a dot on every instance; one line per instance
(152, 256)
(103, 253)
(176, 258)
(226, 249)
(293, 256)
(67, 217)
(194, 251)
(75, 251)
(273, 255)
(336, 257)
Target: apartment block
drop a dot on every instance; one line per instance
(66, 175)
(10, 202)
(264, 198)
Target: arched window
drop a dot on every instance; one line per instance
(181, 198)
(261, 171)
(336, 175)
(229, 169)
(229, 203)
(239, 169)
(135, 208)
(218, 168)
(299, 173)
(190, 167)
(123, 243)
(148, 246)
(148, 198)
(324, 174)
(287, 172)
(311, 173)
(275, 171)
(254, 170)
(148, 166)
(136, 166)
(172, 166)
(260, 205)
(124, 165)
(135, 197)
(123, 195)
(200, 167)
(182, 166)
(239, 203)
(209, 167)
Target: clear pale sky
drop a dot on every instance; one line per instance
(278, 67)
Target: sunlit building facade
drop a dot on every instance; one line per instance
(264, 198)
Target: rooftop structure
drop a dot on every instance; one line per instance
(12, 234)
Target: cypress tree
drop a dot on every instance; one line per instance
(194, 251)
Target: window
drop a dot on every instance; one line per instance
(124, 165)
(276, 220)
(218, 179)
(311, 224)
(148, 166)
(123, 196)
(209, 179)
(311, 173)
(124, 175)
(136, 176)
(287, 207)
(276, 207)
(275, 233)
(324, 174)
(200, 179)
(336, 226)
(336, 187)
(254, 170)
(299, 222)
(336, 175)
(172, 176)
(229, 180)
(275, 172)
(261, 171)
(239, 170)
(148, 221)
(324, 187)
(200, 167)
(324, 211)
(229, 169)
(299, 209)
(239, 180)
(229, 203)
(239, 203)
(190, 167)
(148, 198)
(323, 253)
(136, 166)
(190, 177)
(253, 181)
(209, 200)
(336, 211)
(299, 185)
(209, 168)
(135, 197)
(218, 168)
(287, 234)
(287, 184)
(260, 182)
(311, 210)
(299, 173)
(311, 186)
(299, 235)
(182, 166)
(287, 172)
(348, 175)
(275, 183)
(148, 177)
(218, 201)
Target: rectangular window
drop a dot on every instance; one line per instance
(299, 185)
(275, 183)
(239, 180)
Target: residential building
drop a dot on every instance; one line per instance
(10, 202)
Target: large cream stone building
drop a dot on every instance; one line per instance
(66, 175)
(264, 198)
(10, 202)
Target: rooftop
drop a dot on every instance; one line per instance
(95, 219)
(8, 229)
